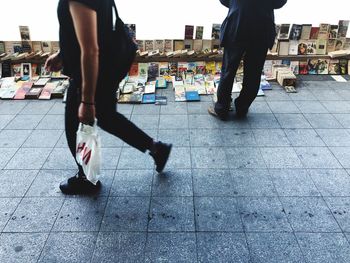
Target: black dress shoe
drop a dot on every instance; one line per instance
(240, 112)
(211, 111)
(161, 155)
(79, 185)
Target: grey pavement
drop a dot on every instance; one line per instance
(274, 187)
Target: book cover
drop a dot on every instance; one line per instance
(33, 93)
(210, 87)
(268, 69)
(26, 70)
(284, 31)
(192, 67)
(305, 31)
(200, 68)
(189, 31)
(9, 92)
(197, 45)
(153, 71)
(143, 69)
(311, 47)
(159, 44)
(180, 93)
(2, 47)
(134, 70)
(199, 32)
(210, 67)
(322, 66)
(295, 32)
(294, 67)
(321, 46)
(283, 48)
(182, 67)
(339, 43)
(323, 33)
(206, 44)
(312, 66)
(148, 98)
(24, 32)
(46, 46)
(343, 28)
(314, 32)
(343, 66)
(173, 68)
(218, 66)
(55, 45)
(178, 44)
(43, 72)
(27, 46)
(188, 44)
(333, 32)
(16, 70)
(168, 45)
(140, 45)
(47, 90)
(303, 68)
(161, 100)
(164, 69)
(346, 44)
(23, 90)
(215, 32)
(149, 45)
(333, 67)
(41, 81)
(331, 45)
(293, 47)
(6, 68)
(192, 96)
(215, 44)
(161, 83)
(135, 98)
(150, 88)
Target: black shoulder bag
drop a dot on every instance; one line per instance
(122, 48)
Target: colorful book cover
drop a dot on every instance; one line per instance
(200, 69)
(161, 83)
(149, 45)
(134, 70)
(164, 69)
(311, 47)
(143, 69)
(141, 45)
(321, 47)
(182, 67)
(333, 32)
(199, 32)
(322, 66)
(16, 70)
(173, 68)
(191, 67)
(159, 45)
(161, 100)
(215, 32)
(153, 71)
(339, 43)
(33, 93)
(192, 96)
(324, 31)
(47, 90)
(148, 98)
(189, 30)
(23, 90)
(295, 32)
(294, 67)
(314, 32)
(168, 45)
(343, 66)
(210, 67)
(312, 66)
(180, 93)
(343, 28)
(333, 67)
(303, 68)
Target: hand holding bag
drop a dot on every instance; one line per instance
(88, 151)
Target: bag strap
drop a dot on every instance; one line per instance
(115, 9)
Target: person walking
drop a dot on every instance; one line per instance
(84, 35)
(248, 31)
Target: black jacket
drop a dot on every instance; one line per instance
(249, 20)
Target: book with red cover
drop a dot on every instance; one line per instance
(47, 90)
(23, 90)
(314, 32)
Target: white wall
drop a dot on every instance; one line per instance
(160, 18)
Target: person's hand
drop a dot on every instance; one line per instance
(53, 63)
(86, 114)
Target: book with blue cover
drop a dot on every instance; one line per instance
(192, 96)
(148, 98)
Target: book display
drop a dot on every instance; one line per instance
(190, 64)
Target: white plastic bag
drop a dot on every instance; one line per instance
(88, 151)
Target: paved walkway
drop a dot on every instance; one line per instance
(272, 188)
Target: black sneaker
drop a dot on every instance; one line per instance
(161, 155)
(79, 185)
(240, 113)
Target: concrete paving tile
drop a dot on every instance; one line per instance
(57, 108)
(13, 138)
(27, 159)
(331, 182)
(83, 214)
(5, 119)
(34, 215)
(60, 158)
(344, 119)
(244, 157)
(198, 108)
(202, 122)
(263, 215)
(69, 247)
(237, 137)
(302, 95)
(124, 247)
(126, 214)
(340, 207)
(309, 214)
(293, 182)
(180, 158)
(168, 122)
(146, 109)
(317, 157)
(304, 137)
(133, 159)
(43, 139)
(280, 157)
(263, 121)
(173, 108)
(15, 183)
(12, 107)
(206, 137)
(109, 140)
(169, 214)
(51, 122)
(125, 109)
(283, 107)
(311, 107)
(21, 247)
(37, 107)
(323, 121)
(7, 207)
(146, 121)
(343, 155)
(173, 184)
(24, 122)
(132, 183)
(171, 247)
(5, 155)
(333, 248)
(259, 107)
(178, 137)
(335, 137)
(217, 214)
(292, 121)
(271, 137)
(337, 106)
(274, 248)
(208, 157)
(222, 247)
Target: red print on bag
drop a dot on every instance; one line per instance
(85, 151)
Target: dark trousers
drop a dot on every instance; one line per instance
(107, 117)
(254, 56)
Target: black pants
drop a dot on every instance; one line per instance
(107, 117)
(254, 56)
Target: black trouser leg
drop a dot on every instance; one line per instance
(230, 63)
(115, 123)
(71, 119)
(253, 60)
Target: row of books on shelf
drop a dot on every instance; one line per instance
(35, 88)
